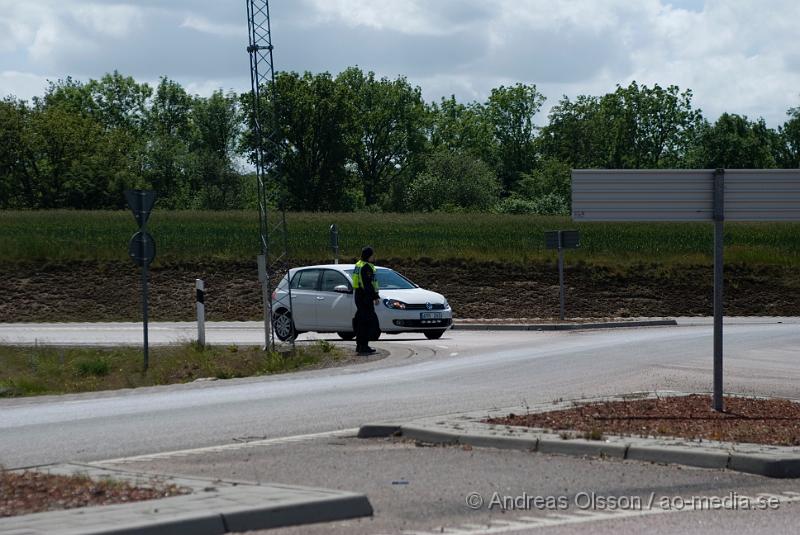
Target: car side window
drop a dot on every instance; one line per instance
(331, 279)
(305, 280)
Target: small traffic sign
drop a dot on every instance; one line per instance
(141, 203)
(570, 239)
(142, 248)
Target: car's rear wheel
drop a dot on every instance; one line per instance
(284, 326)
(346, 335)
(434, 335)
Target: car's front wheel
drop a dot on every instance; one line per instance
(434, 335)
(284, 326)
(346, 335)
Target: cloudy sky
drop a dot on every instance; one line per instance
(741, 56)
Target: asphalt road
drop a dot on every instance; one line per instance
(462, 371)
(423, 490)
(298, 428)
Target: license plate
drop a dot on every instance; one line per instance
(430, 315)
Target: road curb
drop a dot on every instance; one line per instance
(213, 507)
(560, 326)
(469, 429)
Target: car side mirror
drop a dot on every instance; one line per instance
(342, 289)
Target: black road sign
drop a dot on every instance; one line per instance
(141, 203)
(142, 248)
(570, 239)
(334, 236)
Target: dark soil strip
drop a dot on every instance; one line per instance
(758, 421)
(91, 291)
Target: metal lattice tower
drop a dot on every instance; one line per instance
(271, 187)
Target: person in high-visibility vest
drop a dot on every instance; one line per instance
(365, 285)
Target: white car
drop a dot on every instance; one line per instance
(322, 301)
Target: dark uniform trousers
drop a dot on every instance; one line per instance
(366, 321)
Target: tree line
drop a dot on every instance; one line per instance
(357, 142)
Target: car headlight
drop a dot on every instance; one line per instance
(394, 304)
(446, 305)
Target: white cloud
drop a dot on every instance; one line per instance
(113, 20)
(23, 85)
(413, 17)
(204, 25)
(740, 56)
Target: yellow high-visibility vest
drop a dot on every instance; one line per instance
(357, 283)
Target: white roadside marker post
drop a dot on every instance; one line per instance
(200, 297)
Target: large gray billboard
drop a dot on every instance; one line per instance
(684, 195)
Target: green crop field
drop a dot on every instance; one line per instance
(56, 236)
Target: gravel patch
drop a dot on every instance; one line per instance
(752, 420)
(29, 491)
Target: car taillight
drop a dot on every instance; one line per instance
(274, 295)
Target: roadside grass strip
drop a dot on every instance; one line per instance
(40, 370)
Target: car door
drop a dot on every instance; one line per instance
(305, 290)
(335, 310)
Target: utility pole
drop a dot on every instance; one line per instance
(273, 233)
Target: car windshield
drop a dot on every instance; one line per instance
(391, 280)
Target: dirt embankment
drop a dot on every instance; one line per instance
(91, 291)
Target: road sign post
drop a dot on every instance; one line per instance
(335, 243)
(561, 239)
(142, 249)
(690, 195)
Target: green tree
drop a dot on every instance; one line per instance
(453, 181)
(217, 127)
(388, 130)
(462, 128)
(168, 160)
(119, 101)
(16, 184)
(312, 149)
(633, 127)
(117, 105)
(734, 142)
(510, 111)
(65, 161)
(790, 140)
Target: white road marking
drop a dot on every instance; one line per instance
(225, 447)
(579, 517)
(453, 354)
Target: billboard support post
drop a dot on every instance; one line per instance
(719, 237)
(561, 292)
(690, 195)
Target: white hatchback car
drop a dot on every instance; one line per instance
(322, 301)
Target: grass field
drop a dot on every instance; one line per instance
(29, 371)
(57, 236)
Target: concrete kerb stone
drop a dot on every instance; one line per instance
(213, 507)
(378, 430)
(468, 429)
(768, 464)
(561, 326)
